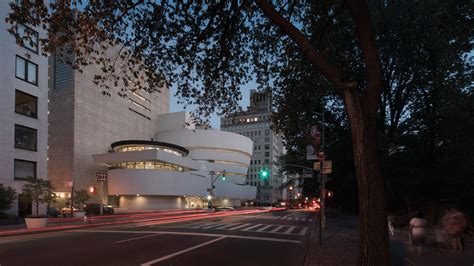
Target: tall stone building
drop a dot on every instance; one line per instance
(84, 122)
(23, 109)
(256, 123)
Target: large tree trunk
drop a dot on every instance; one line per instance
(373, 232)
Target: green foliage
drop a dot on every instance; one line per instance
(37, 190)
(7, 197)
(81, 197)
(425, 112)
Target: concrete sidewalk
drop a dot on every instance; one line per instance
(340, 246)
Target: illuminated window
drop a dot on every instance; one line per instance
(149, 165)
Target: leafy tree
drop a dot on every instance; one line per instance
(7, 197)
(37, 190)
(81, 197)
(208, 50)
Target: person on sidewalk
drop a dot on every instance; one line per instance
(417, 232)
(454, 223)
(391, 224)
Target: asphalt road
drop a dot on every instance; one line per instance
(276, 238)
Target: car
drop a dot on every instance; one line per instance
(67, 210)
(224, 209)
(94, 208)
(52, 212)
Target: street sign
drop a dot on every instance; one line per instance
(327, 167)
(101, 176)
(317, 166)
(307, 173)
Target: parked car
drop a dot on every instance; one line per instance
(53, 212)
(67, 210)
(94, 208)
(224, 209)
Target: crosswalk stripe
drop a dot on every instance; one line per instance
(240, 226)
(287, 232)
(303, 231)
(251, 227)
(225, 226)
(211, 226)
(199, 225)
(263, 228)
(276, 229)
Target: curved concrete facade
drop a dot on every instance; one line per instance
(216, 150)
(165, 178)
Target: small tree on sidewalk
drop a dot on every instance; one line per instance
(37, 190)
(7, 196)
(81, 197)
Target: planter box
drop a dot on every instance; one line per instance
(79, 214)
(36, 222)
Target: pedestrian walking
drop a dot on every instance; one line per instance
(454, 223)
(417, 232)
(391, 224)
(85, 219)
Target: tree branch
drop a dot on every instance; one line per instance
(309, 51)
(365, 34)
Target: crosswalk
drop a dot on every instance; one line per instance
(246, 227)
(292, 217)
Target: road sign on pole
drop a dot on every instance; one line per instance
(327, 167)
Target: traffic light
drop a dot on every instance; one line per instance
(223, 176)
(92, 190)
(264, 173)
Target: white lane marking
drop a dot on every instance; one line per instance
(210, 226)
(263, 228)
(197, 225)
(135, 238)
(303, 231)
(251, 227)
(287, 232)
(237, 227)
(182, 251)
(226, 226)
(276, 229)
(193, 234)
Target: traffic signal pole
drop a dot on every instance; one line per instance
(323, 182)
(211, 189)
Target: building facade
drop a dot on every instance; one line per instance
(23, 109)
(83, 122)
(256, 124)
(173, 171)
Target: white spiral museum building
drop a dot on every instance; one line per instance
(172, 171)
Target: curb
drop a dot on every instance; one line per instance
(150, 220)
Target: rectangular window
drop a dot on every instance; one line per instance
(24, 169)
(25, 138)
(267, 154)
(29, 37)
(267, 161)
(267, 147)
(26, 70)
(26, 104)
